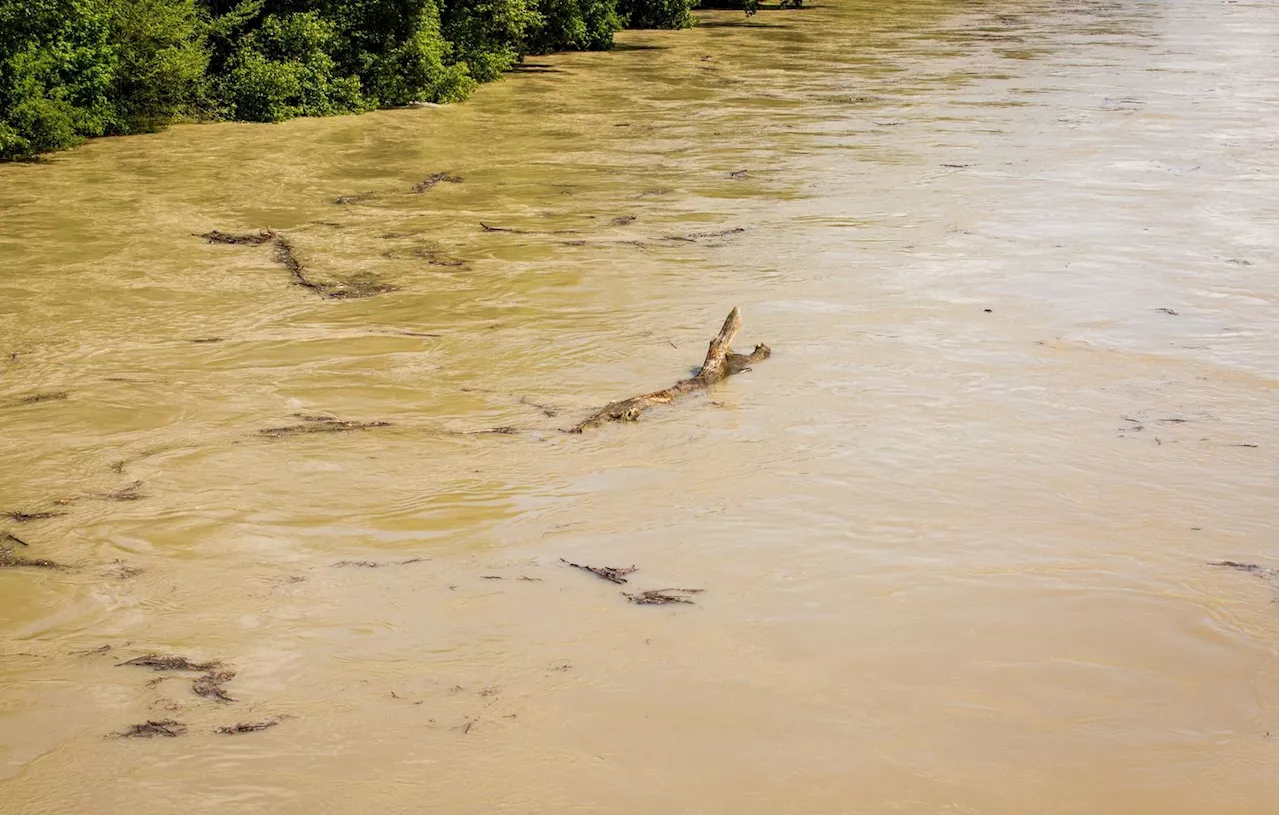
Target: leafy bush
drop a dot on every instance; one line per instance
(160, 62)
(488, 36)
(749, 6)
(284, 69)
(72, 69)
(56, 71)
(399, 52)
(655, 13)
(574, 25)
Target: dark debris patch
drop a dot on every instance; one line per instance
(167, 662)
(694, 237)
(245, 239)
(434, 179)
(435, 256)
(129, 493)
(120, 570)
(1251, 568)
(37, 398)
(23, 517)
(662, 597)
(167, 728)
(101, 649)
(610, 573)
(319, 424)
(488, 431)
(10, 560)
(489, 228)
(210, 685)
(247, 727)
(374, 564)
(361, 284)
(547, 410)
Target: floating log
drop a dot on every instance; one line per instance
(719, 364)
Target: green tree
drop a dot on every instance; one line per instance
(488, 36)
(285, 69)
(574, 25)
(397, 49)
(655, 13)
(160, 62)
(56, 71)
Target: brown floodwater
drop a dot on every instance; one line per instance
(1017, 263)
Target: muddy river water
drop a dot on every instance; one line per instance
(1017, 263)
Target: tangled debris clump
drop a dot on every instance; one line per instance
(246, 239)
(23, 517)
(210, 685)
(662, 597)
(168, 728)
(37, 398)
(1251, 568)
(373, 564)
(434, 179)
(610, 573)
(129, 493)
(694, 237)
(163, 662)
(247, 727)
(650, 597)
(319, 424)
(10, 560)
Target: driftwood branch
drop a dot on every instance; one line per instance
(720, 363)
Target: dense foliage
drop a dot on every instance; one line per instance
(72, 69)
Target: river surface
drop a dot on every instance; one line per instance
(1017, 262)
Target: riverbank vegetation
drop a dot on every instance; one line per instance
(74, 69)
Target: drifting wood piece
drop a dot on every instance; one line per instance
(719, 364)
